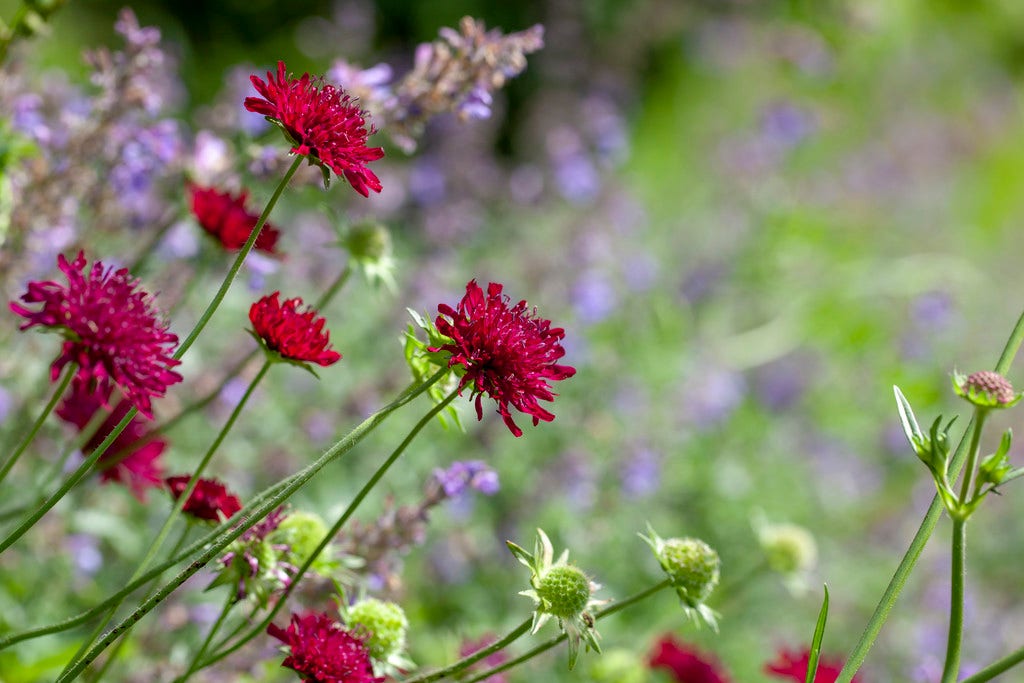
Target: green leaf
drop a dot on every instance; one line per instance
(819, 633)
(910, 426)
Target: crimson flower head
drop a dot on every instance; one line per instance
(111, 329)
(323, 123)
(792, 665)
(506, 352)
(321, 651)
(686, 664)
(210, 500)
(294, 335)
(224, 216)
(128, 460)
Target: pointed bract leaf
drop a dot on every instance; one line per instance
(819, 633)
(910, 426)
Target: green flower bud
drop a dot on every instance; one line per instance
(564, 591)
(985, 389)
(693, 567)
(302, 532)
(383, 624)
(788, 548)
(368, 242)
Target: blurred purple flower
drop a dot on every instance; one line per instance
(640, 474)
(467, 474)
(785, 124)
(711, 395)
(594, 298)
(476, 104)
(780, 383)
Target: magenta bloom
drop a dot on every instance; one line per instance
(507, 352)
(686, 664)
(321, 651)
(792, 665)
(128, 460)
(111, 331)
(225, 217)
(210, 500)
(295, 335)
(322, 121)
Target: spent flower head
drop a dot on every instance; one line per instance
(692, 567)
(112, 332)
(320, 650)
(224, 217)
(323, 124)
(503, 350)
(383, 627)
(986, 389)
(560, 590)
(291, 335)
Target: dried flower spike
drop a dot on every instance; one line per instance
(111, 329)
(985, 389)
(504, 351)
(323, 124)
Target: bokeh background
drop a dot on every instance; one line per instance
(752, 219)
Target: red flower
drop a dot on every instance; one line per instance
(492, 660)
(210, 500)
(508, 352)
(323, 123)
(224, 216)
(111, 331)
(686, 664)
(321, 651)
(128, 460)
(295, 335)
(793, 666)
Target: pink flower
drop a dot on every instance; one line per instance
(128, 460)
(507, 352)
(295, 335)
(322, 122)
(321, 651)
(111, 331)
(225, 217)
(686, 664)
(792, 665)
(210, 500)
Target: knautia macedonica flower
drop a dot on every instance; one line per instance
(692, 567)
(323, 124)
(489, 662)
(111, 329)
(504, 351)
(686, 664)
(792, 666)
(210, 500)
(289, 334)
(383, 627)
(560, 590)
(321, 651)
(224, 217)
(986, 389)
(130, 460)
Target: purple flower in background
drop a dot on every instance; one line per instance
(640, 473)
(594, 297)
(932, 311)
(781, 383)
(467, 474)
(711, 395)
(785, 124)
(476, 104)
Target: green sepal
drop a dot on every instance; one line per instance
(908, 420)
(994, 469)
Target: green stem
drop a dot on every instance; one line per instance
(555, 640)
(216, 548)
(240, 518)
(996, 668)
(956, 602)
(332, 532)
(194, 666)
(466, 662)
(931, 518)
(69, 374)
(972, 456)
(185, 345)
(165, 530)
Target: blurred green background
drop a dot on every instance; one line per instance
(765, 216)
